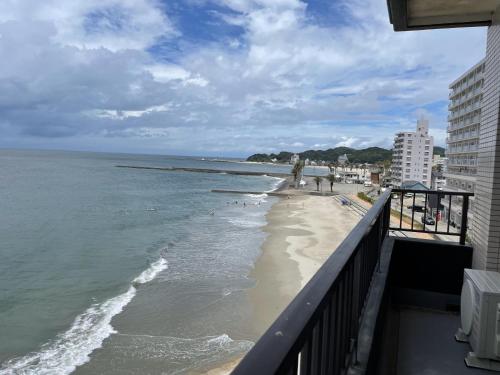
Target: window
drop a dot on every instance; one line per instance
(407, 176)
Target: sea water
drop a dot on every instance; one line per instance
(114, 270)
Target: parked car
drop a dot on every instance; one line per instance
(368, 183)
(428, 220)
(416, 208)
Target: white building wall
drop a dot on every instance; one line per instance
(412, 155)
(464, 122)
(486, 222)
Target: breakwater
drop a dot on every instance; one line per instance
(207, 170)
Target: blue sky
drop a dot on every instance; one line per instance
(220, 77)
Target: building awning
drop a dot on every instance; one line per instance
(414, 185)
(436, 14)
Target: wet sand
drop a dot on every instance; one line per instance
(303, 231)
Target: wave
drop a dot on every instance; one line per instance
(184, 352)
(278, 183)
(257, 197)
(87, 333)
(245, 222)
(150, 273)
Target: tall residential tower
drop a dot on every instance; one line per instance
(463, 134)
(412, 155)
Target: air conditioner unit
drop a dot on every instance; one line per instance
(480, 318)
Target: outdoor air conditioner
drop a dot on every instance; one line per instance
(480, 318)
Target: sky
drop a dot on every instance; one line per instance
(220, 77)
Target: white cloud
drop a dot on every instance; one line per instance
(85, 70)
(110, 24)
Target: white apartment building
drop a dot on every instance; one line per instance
(412, 155)
(466, 94)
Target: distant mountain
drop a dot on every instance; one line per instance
(438, 150)
(368, 155)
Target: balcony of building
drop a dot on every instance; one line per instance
(466, 122)
(381, 304)
(457, 136)
(462, 161)
(463, 111)
(458, 149)
(466, 98)
(461, 171)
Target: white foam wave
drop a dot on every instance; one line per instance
(184, 352)
(73, 347)
(244, 222)
(277, 184)
(149, 274)
(256, 196)
(87, 333)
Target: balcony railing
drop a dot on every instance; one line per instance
(318, 332)
(434, 204)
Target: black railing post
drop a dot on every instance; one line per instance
(463, 226)
(387, 214)
(401, 212)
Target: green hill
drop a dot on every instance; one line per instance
(367, 155)
(438, 150)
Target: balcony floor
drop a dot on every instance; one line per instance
(427, 345)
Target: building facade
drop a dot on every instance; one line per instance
(462, 144)
(412, 155)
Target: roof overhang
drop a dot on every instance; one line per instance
(438, 14)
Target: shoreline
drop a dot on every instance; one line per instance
(302, 232)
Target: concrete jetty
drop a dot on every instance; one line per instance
(207, 170)
(277, 193)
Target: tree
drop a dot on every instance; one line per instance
(297, 169)
(331, 178)
(317, 179)
(297, 172)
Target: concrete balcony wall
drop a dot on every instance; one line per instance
(486, 223)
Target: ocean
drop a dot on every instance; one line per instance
(109, 270)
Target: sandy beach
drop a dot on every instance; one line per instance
(303, 231)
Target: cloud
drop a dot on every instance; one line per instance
(110, 24)
(130, 76)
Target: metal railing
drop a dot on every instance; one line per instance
(434, 204)
(317, 333)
